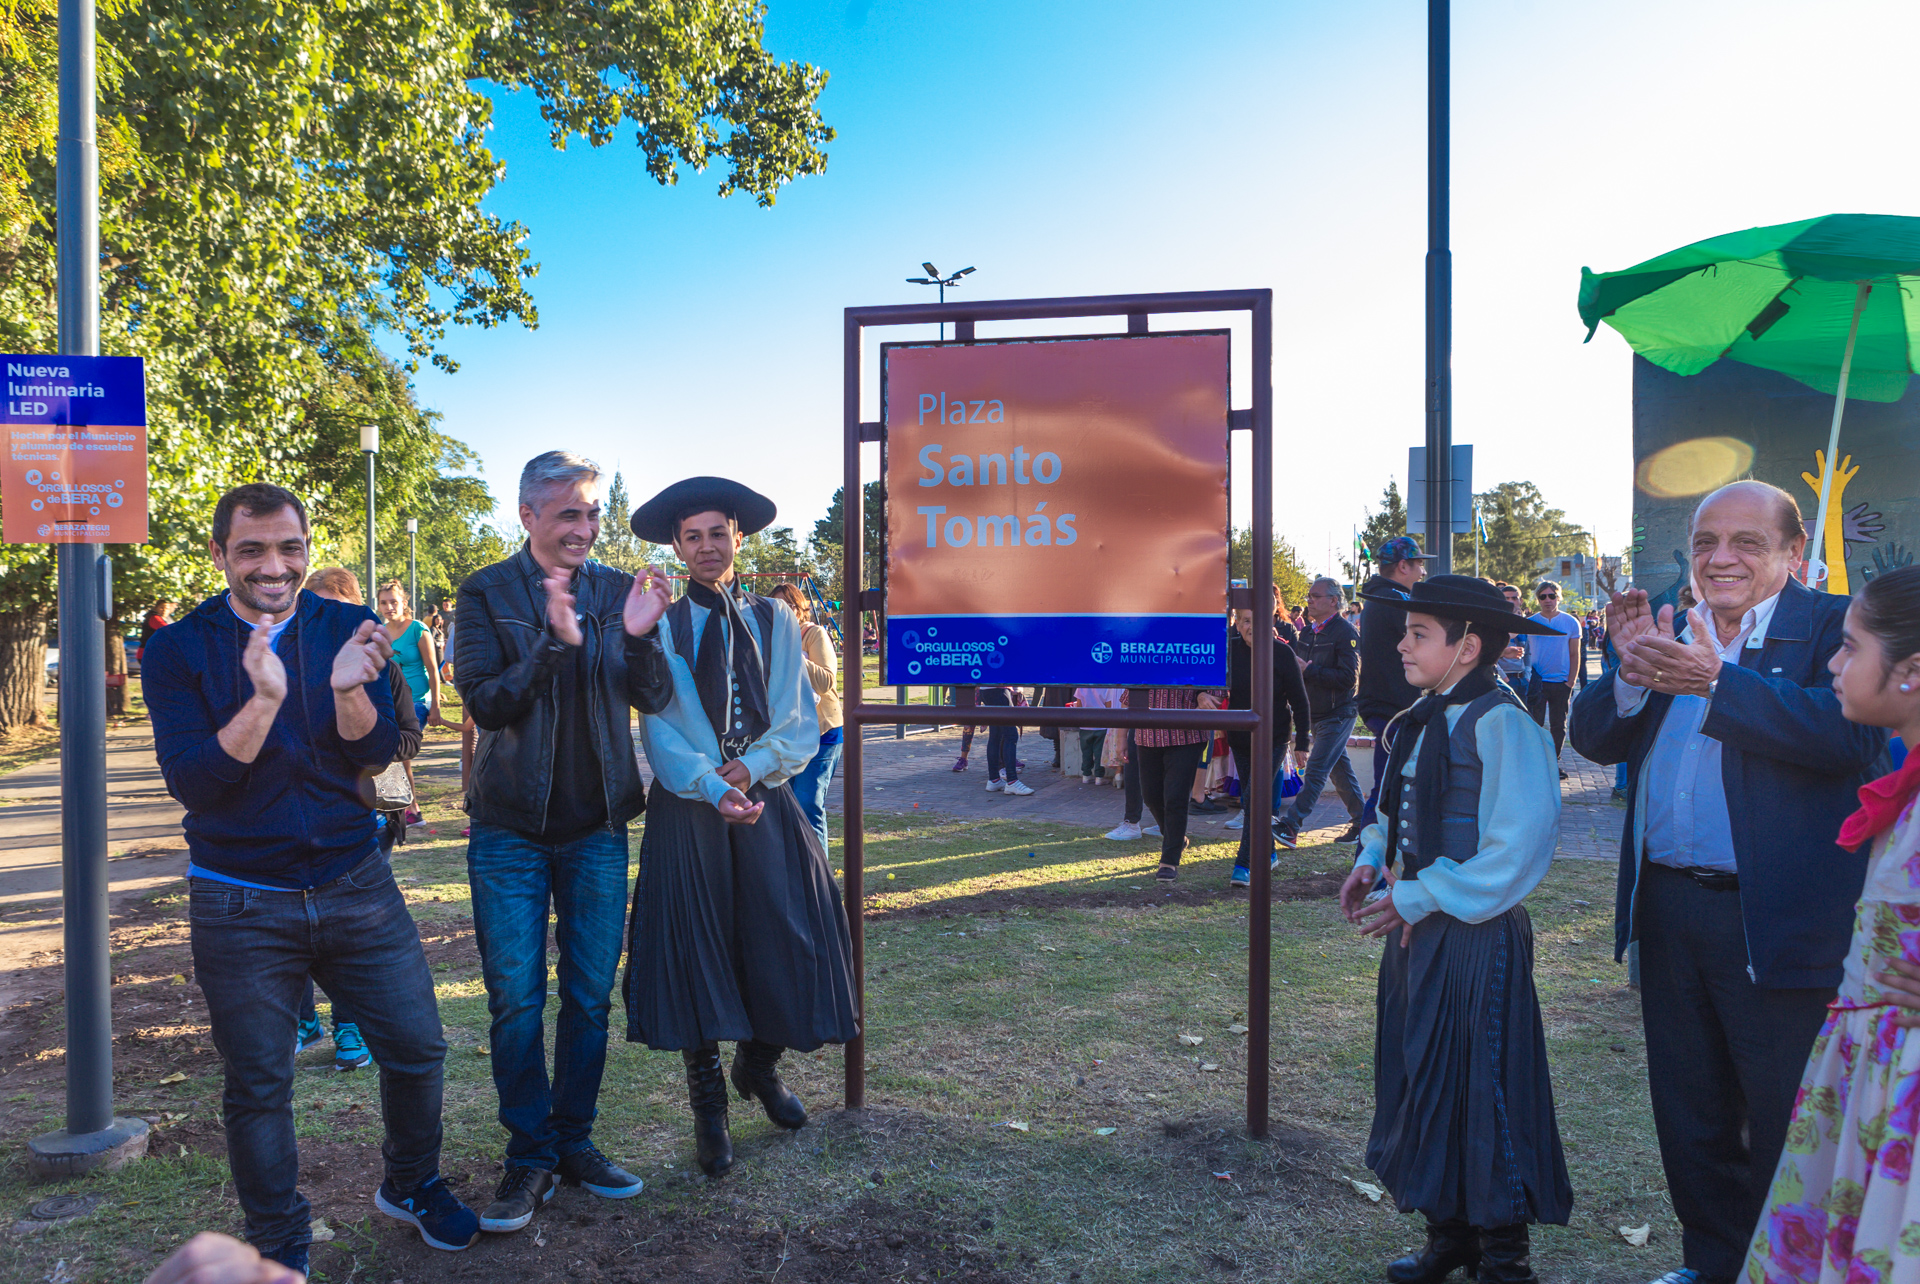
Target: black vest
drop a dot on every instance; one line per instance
(680, 626)
(1459, 839)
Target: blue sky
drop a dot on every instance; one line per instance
(1071, 147)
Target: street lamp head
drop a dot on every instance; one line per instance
(370, 437)
(920, 280)
(962, 272)
(930, 269)
(413, 525)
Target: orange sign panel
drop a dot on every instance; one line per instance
(1057, 510)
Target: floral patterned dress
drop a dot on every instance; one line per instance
(1842, 1209)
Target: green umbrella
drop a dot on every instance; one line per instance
(1833, 302)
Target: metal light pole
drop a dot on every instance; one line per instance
(933, 277)
(1439, 297)
(413, 564)
(370, 447)
(93, 1137)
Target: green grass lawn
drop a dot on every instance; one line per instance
(1018, 974)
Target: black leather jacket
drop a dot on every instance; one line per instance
(503, 664)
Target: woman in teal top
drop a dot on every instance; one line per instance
(413, 652)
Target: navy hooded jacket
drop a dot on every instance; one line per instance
(294, 817)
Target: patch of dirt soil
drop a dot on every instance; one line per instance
(1308, 887)
(577, 1237)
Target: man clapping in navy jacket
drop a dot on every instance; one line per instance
(269, 710)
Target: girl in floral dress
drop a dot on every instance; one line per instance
(1843, 1208)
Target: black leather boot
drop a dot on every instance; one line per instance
(1450, 1245)
(756, 1073)
(1504, 1256)
(707, 1090)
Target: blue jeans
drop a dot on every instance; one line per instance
(810, 788)
(514, 880)
(252, 954)
(1327, 758)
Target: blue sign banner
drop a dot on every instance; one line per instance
(1057, 650)
(75, 390)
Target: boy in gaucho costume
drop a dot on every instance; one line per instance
(737, 932)
(1463, 1125)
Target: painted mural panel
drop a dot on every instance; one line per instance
(1695, 432)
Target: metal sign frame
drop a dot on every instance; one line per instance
(1256, 420)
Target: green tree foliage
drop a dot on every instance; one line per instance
(1521, 529)
(1389, 520)
(827, 547)
(1288, 573)
(618, 546)
(280, 183)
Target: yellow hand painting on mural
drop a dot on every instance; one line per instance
(1833, 547)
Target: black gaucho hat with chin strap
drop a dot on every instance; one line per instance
(1463, 597)
(658, 519)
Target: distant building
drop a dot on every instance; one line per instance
(1577, 574)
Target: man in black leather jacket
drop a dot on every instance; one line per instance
(554, 651)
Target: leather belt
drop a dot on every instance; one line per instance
(1711, 879)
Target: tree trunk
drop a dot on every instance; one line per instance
(23, 668)
(117, 699)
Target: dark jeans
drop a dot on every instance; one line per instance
(252, 954)
(810, 787)
(1091, 743)
(1242, 749)
(1002, 742)
(1377, 727)
(1547, 703)
(1130, 782)
(1724, 1062)
(1166, 782)
(1327, 758)
(514, 880)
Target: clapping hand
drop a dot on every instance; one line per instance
(1661, 662)
(1629, 617)
(561, 620)
(361, 659)
(264, 669)
(647, 601)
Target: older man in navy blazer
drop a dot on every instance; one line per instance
(1741, 770)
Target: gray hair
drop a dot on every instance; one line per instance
(1331, 587)
(555, 468)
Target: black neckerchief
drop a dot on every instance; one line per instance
(729, 678)
(1430, 772)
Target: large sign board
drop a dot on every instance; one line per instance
(75, 467)
(1057, 511)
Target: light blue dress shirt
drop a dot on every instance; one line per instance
(1682, 817)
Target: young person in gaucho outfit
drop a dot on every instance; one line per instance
(1463, 1125)
(738, 932)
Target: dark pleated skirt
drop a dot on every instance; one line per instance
(1463, 1124)
(737, 931)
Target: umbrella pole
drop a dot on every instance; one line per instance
(1818, 562)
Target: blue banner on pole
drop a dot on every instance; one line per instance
(75, 390)
(1057, 650)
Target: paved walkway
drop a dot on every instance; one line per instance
(917, 774)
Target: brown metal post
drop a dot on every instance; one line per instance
(852, 836)
(1260, 796)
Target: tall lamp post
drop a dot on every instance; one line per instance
(93, 1138)
(1439, 295)
(370, 447)
(413, 564)
(933, 277)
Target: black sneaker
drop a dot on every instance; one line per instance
(1285, 837)
(601, 1176)
(522, 1191)
(1352, 835)
(291, 1256)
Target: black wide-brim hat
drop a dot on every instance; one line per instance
(657, 519)
(1463, 597)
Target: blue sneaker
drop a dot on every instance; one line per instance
(349, 1049)
(291, 1256)
(442, 1220)
(1241, 877)
(306, 1034)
